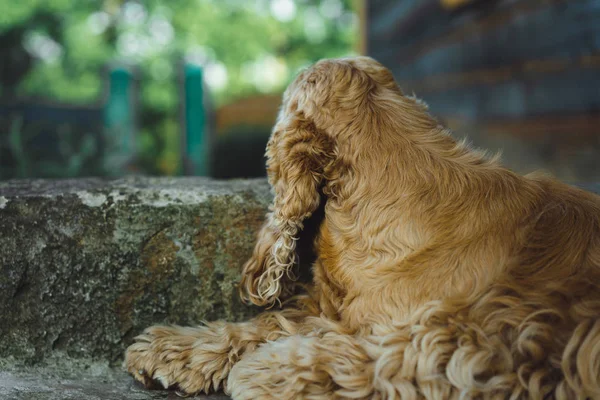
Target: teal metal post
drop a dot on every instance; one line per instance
(120, 122)
(196, 137)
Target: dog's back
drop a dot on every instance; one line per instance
(465, 267)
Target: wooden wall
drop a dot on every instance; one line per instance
(255, 111)
(520, 75)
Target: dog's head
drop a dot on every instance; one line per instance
(334, 90)
(321, 104)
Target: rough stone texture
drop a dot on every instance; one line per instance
(87, 264)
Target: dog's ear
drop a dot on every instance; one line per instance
(297, 156)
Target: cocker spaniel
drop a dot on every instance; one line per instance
(439, 273)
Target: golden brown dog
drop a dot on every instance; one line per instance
(439, 273)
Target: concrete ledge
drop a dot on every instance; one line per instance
(87, 264)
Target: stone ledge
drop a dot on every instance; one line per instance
(67, 379)
(87, 264)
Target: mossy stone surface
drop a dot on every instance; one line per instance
(88, 264)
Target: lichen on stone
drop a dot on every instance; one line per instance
(88, 264)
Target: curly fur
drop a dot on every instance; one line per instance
(439, 273)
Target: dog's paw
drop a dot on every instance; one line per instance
(285, 369)
(190, 360)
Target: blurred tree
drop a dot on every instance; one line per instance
(59, 50)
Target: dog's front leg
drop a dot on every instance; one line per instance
(199, 359)
(325, 365)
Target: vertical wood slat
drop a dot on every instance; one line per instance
(120, 121)
(195, 139)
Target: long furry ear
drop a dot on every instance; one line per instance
(297, 156)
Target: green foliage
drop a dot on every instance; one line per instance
(60, 50)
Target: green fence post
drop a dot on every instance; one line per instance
(195, 141)
(119, 119)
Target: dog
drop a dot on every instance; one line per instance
(439, 274)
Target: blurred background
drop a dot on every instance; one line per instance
(120, 87)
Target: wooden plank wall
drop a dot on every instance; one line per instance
(517, 75)
(258, 111)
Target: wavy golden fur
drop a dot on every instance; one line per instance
(439, 273)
